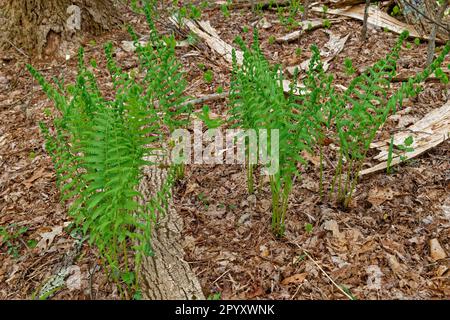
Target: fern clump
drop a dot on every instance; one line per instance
(363, 109)
(258, 102)
(307, 119)
(100, 146)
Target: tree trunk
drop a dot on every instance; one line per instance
(421, 15)
(165, 275)
(46, 27)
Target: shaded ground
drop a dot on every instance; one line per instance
(377, 250)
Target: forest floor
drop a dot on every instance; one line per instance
(379, 249)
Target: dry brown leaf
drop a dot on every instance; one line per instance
(436, 250)
(295, 279)
(48, 237)
(379, 195)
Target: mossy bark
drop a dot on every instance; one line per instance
(42, 26)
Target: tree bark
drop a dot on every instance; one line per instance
(432, 40)
(165, 275)
(44, 27)
(421, 15)
(366, 15)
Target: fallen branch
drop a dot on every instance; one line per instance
(308, 25)
(205, 31)
(209, 97)
(377, 18)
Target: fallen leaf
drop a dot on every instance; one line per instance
(374, 275)
(37, 175)
(333, 226)
(295, 279)
(436, 251)
(73, 282)
(48, 237)
(379, 195)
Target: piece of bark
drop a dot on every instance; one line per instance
(366, 16)
(427, 133)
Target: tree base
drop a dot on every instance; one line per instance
(45, 27)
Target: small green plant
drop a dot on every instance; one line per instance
(349, 69)
(417, 41)
(205, 117)
(308, 227)
(327, 23)
(215, 296)
(225, 10)
(245, 29)
(195, 12)
(258, 102)
(441, 75)
(406, 147)
(10, 238)
(395, 11)
(272, 39)
(219, 90)
(208, 76)
(357, 126)
(298, 52)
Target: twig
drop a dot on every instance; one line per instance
(209, 97)
(18, 49)
(329, 278)
(220, 277)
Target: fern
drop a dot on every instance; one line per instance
(99, 147)
(306, 120)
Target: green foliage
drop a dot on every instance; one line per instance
(99, 147)
(210, 123)
(215, 296)
(395, 11)
(306, 120)
(364, 108)
(349, 69)
(208, 76)
(258, 102)
(225, 10)
(10, 238)
(327, 23)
